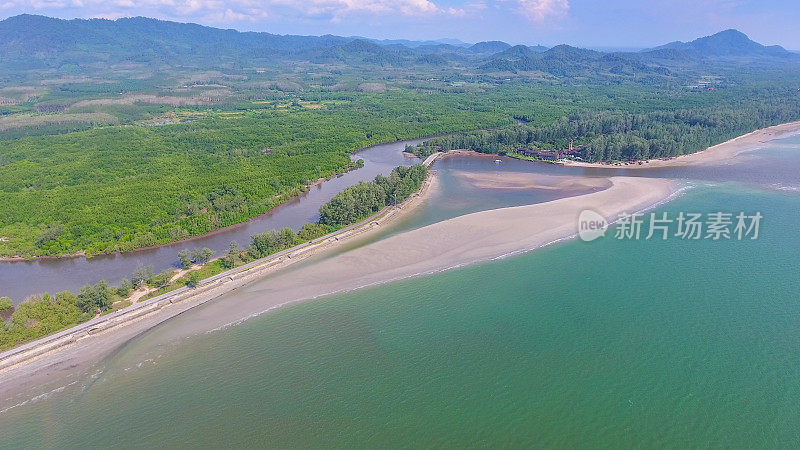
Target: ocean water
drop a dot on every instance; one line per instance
(612, 343)
(609, 343)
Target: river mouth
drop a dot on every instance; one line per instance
(775, 167)
(162, 342)
(452, 196)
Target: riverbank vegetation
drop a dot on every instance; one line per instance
(364, 199)
(40, 315)
(115, 157)
(116, 189)
(163, 173)
(157, 144)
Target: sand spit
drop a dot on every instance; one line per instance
(456, 242)
(69, 351)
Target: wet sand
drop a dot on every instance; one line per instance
(528, 181)
(714, 155)
(456, 242)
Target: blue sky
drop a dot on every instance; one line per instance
(595, 23)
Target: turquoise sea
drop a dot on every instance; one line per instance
(603, 344)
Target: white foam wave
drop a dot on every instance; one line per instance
(38, 398)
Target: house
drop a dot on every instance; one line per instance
(545, 155)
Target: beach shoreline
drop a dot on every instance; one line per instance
(716, 154)
(230, 280)
(474, 241)
(464, 240)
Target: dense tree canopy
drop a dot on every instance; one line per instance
(121, 188)
(41, 315)
(617, 135)
(359, 201)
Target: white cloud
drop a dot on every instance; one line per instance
(234, 10)
(541, 10)
(341, 8)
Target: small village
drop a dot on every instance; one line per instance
(554, 155)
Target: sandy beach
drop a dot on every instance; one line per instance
(460, 241)
(528, 181)
(714, 155)
(36, 375)
(456, 242)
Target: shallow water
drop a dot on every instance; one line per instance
(580, 344)
(609, 343)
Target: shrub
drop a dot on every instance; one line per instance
(6, 304)
(312, 231)
(124, 289)
(162, 279)
(185, 258)
(94, 297)
(193, 279)
(141, 275)
(202, 255)
(233, 256)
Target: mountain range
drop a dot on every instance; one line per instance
(30, 42)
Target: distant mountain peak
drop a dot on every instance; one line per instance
(361, 45)
(730, 32)
(518, 52)
(489, 47)
(568, 52)
(730, 43)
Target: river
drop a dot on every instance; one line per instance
(775, 169)
(19, 279)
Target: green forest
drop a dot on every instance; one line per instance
(114, 140)
(41, 315)
(121, 187)
(137, 132)
(619, 135)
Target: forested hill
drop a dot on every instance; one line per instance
(29, 43)
(728, 43)
(29, 40)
